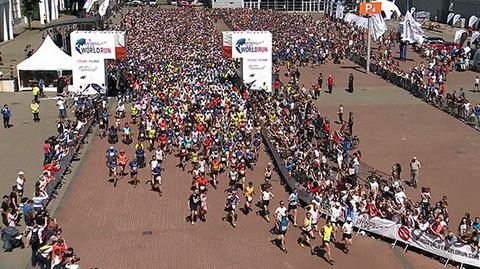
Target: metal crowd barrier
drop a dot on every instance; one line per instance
(456, 110)
(67, 160)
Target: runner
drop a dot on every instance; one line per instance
(280, 213)
(268, 173)
(283, 226)
(307, 232)
(122, 162)
(292, 205)
(194, 204)
(347, 234)
(214, 170)
(182, 155)
(248, 194)
(231, 202)
(267, 195)
(134, 172)
(111, 156)
(233, 175)
(328, 237)
(156, 181)
(127, 134)
(203, 206)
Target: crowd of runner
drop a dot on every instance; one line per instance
(188, 105)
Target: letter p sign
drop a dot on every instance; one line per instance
(370, 8)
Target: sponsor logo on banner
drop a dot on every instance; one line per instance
(84, 46)
(245, 45)
(419, 239)
(404, 233)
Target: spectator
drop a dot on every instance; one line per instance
(6, 116)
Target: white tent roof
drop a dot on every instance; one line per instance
(47, 57)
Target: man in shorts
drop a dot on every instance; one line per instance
(134, 172)
(232, 203)
(292, 205)
(157, 179)
(347, 234)
(336, 213)
(283, 225)
(328, 238)
(193, 205)
(267, 195)
(214, 170)
(248, 194)
(307, 231)
(279, 213)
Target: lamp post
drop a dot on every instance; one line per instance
(368, 44)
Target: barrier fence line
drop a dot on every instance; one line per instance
(435, 245)
(64, 164)
(426, 95)
(459, 252)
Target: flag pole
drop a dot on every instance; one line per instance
(368, 46)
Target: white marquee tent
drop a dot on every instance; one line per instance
(47, 59)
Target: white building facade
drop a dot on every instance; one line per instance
(6, 20)
(281, 5)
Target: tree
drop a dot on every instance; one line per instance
(28, 8)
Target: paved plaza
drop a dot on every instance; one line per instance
(127, 227)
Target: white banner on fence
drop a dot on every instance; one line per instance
(456, 18)
(473, 19)
(475, 35)
(458, 35)
(450, 16)
(255, 50)
(421, 240)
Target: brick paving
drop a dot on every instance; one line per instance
(105, 225)
(393, 126)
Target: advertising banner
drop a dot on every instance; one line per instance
(88, 71)
(92, 45)
(419, 239)
(227, 44)
(257, 73)
(252, 44)
(255, 50)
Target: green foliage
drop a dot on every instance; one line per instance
(28, 7)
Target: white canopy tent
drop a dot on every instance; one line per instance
(47, 59)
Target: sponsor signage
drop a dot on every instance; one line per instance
(370, 8)
(90, 49)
